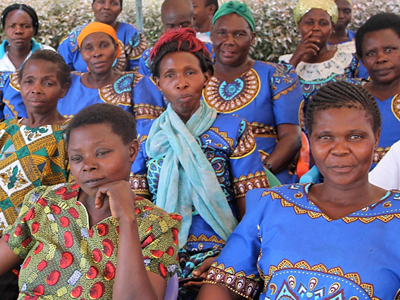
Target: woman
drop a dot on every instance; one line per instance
(98, 45)
(193, 160)
(32, 149)
(323, 241)
(318, 63)
(267, 95)
(93, 238)
(130, 40)
(377, 43)
(20, 24)
(340, 34)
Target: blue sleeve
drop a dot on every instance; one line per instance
(246, 165)
(65, 50)
(14, 106)
(144, 63)
(286, 93)
(236, 266)
(148, 102)
(134, 48)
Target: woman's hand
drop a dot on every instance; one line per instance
(307, 46)
(200, 272)
(120, 198)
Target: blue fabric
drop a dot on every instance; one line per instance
(187, 178)
(275, 98)
(229, 147)
(35, 46)
(390, 129)
(132, 40)
(301, 254)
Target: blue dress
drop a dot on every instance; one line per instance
(287, 248)
(390, 129)
(230, 147)
(266, 96)
(131, 40)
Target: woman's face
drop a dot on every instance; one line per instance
(41, 87)
(232, 38)
(106, 11)
(99, 51)
(344, 17)
(343, 144)
(319, 22)
(19, 29)
(381, 55)
(182, 81)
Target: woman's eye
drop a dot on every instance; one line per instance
(76, 158)
(48, 83)
(102, 153)
(355, 136)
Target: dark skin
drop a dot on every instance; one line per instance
(340, 35)
(315, 28)
(233, 33)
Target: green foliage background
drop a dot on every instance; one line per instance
(275, 27)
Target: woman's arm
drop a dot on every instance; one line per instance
(289, 144)
(307, 46)
(8, 259)
(132, 280)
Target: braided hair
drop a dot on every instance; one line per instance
(183, 39)
(29, 10)
(343, 94)
(377, 22)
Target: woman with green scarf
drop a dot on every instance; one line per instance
(192, 160)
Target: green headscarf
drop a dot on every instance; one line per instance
(238, 8)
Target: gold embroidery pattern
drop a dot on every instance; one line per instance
(147, 111)
(390, 215)
(337, 271)
(379, 153)
(222, 134)
(261, 130)
(231, 97)
(14, 81)
(396, 106)
(139, 184)
(246, 183)
(246, 145)
(202, 238)
(245, 286)
(136, 51)
(120, 92)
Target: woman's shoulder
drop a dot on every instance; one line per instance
(127, 28)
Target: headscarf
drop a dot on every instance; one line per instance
(304, 6)
(99, 27)
(238, 8)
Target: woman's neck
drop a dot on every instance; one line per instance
(17, 56)
(339, 201)
(338, 36)
(230, 73)
(97, 81)
(36, 120)
(383, 91)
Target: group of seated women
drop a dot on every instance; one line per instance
(112, 182)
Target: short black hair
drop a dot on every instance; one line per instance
(122, 123)
(212, 2)
(377, 22)
(29, 10)
(63, 72)
(343, 94)
(120, 3)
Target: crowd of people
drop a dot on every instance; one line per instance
(127, 170)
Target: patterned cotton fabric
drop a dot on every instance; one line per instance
(266, 96)
(29, 157)
(287, 248)
(65, 259)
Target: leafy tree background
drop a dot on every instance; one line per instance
(275, 27)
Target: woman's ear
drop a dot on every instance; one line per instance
(207, 77)
(377, 135)
(134, 149)
(157, 82)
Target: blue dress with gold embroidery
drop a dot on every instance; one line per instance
(132, 43)
(287, 248)
(266, 96)
(390, 129)
(230, 147)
